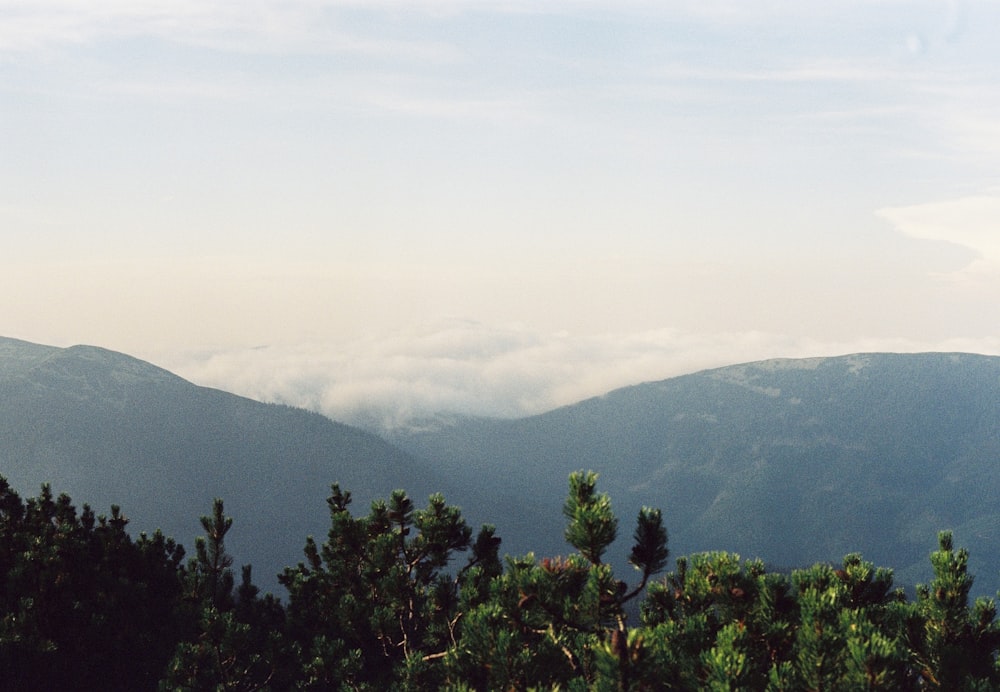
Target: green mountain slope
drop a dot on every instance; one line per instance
(793, 461)
(108, 428)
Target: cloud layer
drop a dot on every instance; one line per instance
(611, 192)
(461, 367)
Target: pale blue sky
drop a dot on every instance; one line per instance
(496, 206)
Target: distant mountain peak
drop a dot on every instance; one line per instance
(122, 367)
(81, 372)
(112, 429)
(17, 357)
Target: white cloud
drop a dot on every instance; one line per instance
(264, 27)
(712, 169)
(469, 368)
(972, 222)
(53, 22)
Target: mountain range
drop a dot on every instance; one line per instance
(793, 461)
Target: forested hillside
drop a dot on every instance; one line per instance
(788, 463)
(111, 428)
(411, 598)
(792, 461)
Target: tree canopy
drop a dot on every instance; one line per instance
(403, 597)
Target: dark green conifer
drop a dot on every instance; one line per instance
(374, 605)
(234, 643)
(956, 647)
(82, 605)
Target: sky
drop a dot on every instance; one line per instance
(388, 210)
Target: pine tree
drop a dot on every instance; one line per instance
(956, 646)
(592, 525)
(381, 604)
(79, 596)
(233, 644)
(374, 605)
(561, 621)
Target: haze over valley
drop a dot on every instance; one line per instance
(792, 461)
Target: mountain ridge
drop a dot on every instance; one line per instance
(111, 429)
(790, 460)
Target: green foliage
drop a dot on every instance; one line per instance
(83, 606)
(561, 621)
(372, 605)
(955, 646)
(235, 640)
(383, 603)
(708, 593)
(592, 525)
(649, 554)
